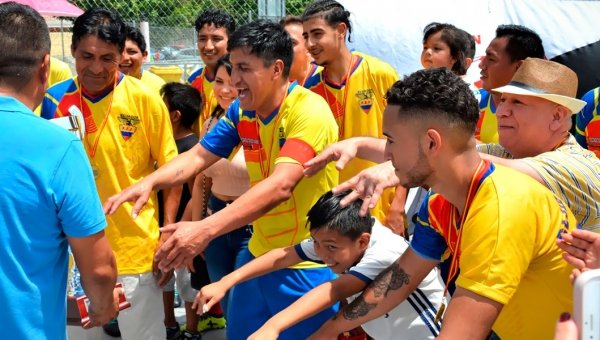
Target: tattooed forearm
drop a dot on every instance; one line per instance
(178, 173)
(358, 308)
(391, 278)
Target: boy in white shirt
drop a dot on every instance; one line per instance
(357, 248)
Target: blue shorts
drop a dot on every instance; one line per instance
(254, 302)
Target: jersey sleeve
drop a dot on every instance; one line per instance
(583, 118)
(426, 241)
(75, 195)
(306, 250)
(385, 248)
(307, 134)
(223, 138)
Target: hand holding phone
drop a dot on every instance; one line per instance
(586, 304)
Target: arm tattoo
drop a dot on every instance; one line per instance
(392, 278)
(358, 308)
(178, 173)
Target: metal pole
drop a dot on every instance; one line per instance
(62, 39)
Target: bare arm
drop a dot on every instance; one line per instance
(191, 238)
(390, 288)
(468, 308)
(310, 304)
(269, 262)
(396, 217)
(200, 194)
(96, 263)
(515, 164)
(369, 148)
(175, 172)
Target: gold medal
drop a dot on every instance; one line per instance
(95, 171)
(440, 313)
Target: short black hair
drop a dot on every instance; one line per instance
(134, 34)
(328, 213)
(102, 23)
(471, 46)
(455, 39)
(436, 94)
(522, 42)
(25, 42)
(184, 98)
(331, 11)
(266, 40)
(217, 17)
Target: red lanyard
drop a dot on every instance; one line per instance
(341, 112)
(265, 169)
(454, 230)
(92, 148)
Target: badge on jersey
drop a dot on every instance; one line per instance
(365, 99)
(128, 125)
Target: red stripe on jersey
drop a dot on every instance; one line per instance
(298, 150)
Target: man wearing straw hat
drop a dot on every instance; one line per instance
(534, 118)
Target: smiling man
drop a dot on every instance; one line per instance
(127, 131)
(134, 56)
(280, 125)
(213, 27)
(354, 86)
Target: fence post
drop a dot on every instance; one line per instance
(145, 29)
(271, 9)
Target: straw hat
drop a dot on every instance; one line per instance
(545, 79)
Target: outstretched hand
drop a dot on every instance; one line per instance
(208, 296)
(582, 249)
(342, 152)
(368, 185)
(188, 239)
(138, 193)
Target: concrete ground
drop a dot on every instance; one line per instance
(78, 333)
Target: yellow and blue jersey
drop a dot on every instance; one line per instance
(294, 133)
(202, 82)
(487, 126)
(127, 131)
(587, 128)
(506, 250)
(357, 104)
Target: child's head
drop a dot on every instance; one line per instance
(340, 234)
(184, 103)
(445, 45)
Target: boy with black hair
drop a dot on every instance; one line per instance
(183, 103)
(134, 55)
(357, 248)
(213, 26)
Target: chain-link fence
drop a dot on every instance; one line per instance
(171, 24)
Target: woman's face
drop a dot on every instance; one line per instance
(225, 92)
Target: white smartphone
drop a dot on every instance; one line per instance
(586, 304)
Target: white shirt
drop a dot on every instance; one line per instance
(413, 318)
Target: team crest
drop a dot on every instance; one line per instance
(127, 125)
(365, 99)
